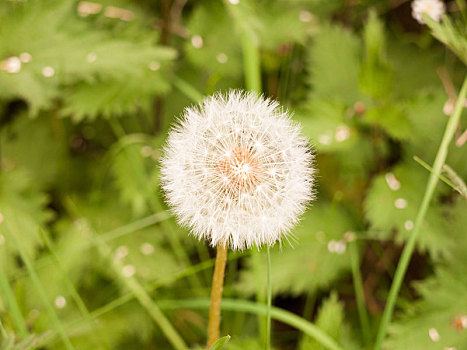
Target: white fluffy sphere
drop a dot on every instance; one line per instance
(433, 8)
(236, 170)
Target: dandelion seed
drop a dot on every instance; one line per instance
(305, 16)
(1, 218)
(222, 58)
(121, 252)
(400, 203)
(433, 334)
(48, 72)
(349, 236)
(222, 187)
(460, 322)
(392, 182)
(25, 57)
(408, 225)
(234, 2)
(332, 246)
(146, 151)
(154, 66)
(342, 133)
(340, 247)
(433, 8)
(60, 302)
(197, 41)
(147, 248)
(11, 65)
(324, 139)
(450, 348)
(86, 8)
(2, 239)
(91, 57)
(128, 270)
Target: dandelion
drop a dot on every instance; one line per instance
(432, 8)
(237, 172)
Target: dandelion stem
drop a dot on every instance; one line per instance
(268, 314)
(216, 295)
(430, 188)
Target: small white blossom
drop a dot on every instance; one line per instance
(237, 170)
(433, 8)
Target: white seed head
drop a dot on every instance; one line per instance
(236, 170)
(433, 8)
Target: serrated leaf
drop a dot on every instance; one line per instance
(331, 320)
(309, 264)
(25, 209)
(436, 320)
(392, 203)
(332, 46)
(392, 119)
(325, 123)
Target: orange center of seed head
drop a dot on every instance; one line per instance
(239, 170)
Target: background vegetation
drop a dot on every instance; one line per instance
(90, 258)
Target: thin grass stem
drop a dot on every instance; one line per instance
(269, 304)
(278, 314)
(359, 293)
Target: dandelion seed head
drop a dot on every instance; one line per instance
(433, 8)
(236, 169)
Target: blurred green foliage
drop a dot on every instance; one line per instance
(87, 93)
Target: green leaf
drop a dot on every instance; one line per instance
(20, 199)
(392, 204)
(331, 320)
(219, 344)
(451, 33)
(391, 118)
(330, 78)
(313, 262)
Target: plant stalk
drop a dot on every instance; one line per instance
(216, 295)
(268, 314)
(430, 188)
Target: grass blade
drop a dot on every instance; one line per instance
(259, 309)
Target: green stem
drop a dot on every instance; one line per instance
(251, 63)
(259, 309)
(269, 305)
(11, 303)
(430, 188)
(358, 286)
(40, 289)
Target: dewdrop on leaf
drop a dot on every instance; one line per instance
(236, 170)
(432, 8)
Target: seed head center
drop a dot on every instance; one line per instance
(239, 170)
